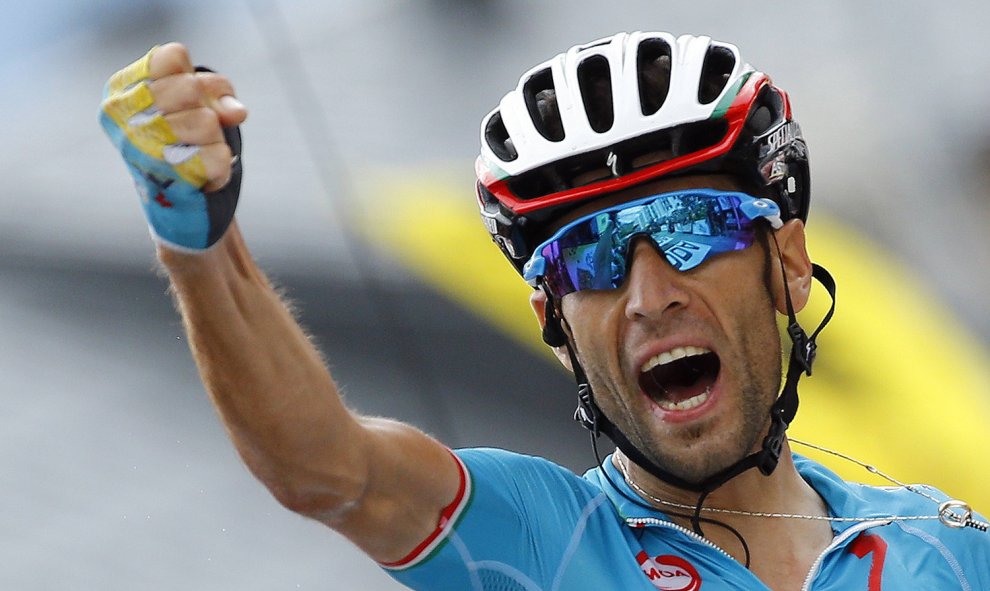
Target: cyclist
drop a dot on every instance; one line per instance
(653, 190)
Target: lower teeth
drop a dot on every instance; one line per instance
(688, 403)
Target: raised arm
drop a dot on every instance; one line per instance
(381, 483)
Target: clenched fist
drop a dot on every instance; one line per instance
(176, 127)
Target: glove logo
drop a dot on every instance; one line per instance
(161, 200)
(670, 573)
(161, 184)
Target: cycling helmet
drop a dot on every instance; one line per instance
(629, 109)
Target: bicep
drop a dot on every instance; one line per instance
(409, 480)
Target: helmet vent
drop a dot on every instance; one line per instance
(541, 100)
(702, 135)
(653, 67)
(715, 72)
(498, 139)
(641, 152)
(596, 92)
(768, 111)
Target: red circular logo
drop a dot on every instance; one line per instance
(670, 573)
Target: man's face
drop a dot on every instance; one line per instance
(686, 364)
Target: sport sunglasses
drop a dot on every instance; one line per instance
(688, 227)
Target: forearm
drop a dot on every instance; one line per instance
(266, 379)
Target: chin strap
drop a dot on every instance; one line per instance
(803, 350)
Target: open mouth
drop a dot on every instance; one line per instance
(680, 379)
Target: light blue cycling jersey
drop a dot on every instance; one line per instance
(526, 524)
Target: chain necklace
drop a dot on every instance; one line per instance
(952, 513)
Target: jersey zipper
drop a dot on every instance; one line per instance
(641, 521)
(836, 542)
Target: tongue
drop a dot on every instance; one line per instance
(680, 393)
(680, 380)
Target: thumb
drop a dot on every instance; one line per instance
(230, 110)
(219, 95)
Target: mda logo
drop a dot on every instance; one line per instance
(670, 573)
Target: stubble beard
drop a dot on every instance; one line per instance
(697, 452)
(700, 451)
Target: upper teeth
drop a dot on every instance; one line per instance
(673, 355)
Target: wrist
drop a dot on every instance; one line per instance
(227, 258)
(176, 257)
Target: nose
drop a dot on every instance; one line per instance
(653, 287)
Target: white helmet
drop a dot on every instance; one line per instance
(628, 109)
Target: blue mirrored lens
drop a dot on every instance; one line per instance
(687, 227)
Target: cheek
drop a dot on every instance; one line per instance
(595, 323)
(585, 309)
(742, 302)
(752, 324)
(742, 283)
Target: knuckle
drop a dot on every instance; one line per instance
(176, 53)
(171, 58)
(204, 88)
(205, 117)
(191, 92)
(215, 85)
(175, 93)
(199, 125)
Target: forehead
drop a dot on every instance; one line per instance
(700, 181)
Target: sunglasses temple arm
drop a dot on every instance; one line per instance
(553, 331)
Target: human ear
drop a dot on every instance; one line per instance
(538, 301)
(789, 242)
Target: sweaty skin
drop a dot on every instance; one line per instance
(725, 306)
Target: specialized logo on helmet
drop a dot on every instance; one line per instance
(613, 163)
(670, 573)
(783, 136)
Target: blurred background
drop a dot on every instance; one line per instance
(358, 200)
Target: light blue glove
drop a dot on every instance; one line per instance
(169, 175)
